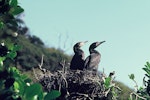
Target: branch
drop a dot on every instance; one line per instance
(81, 94)
(137, 96)
(64, 79)
(118, 88)
(136, 85)
(62, 64)
(40, 65)
(35, 74)
(106, 92)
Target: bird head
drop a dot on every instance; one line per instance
(80, 44)
(96, 44)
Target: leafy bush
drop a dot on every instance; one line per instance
(143, 92)
(13, 84)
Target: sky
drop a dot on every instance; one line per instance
(123, 24)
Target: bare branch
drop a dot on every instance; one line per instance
(81, 94)
(41, 64)
(37, 78)
(106, 92)
(137, 96)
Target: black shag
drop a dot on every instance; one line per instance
(77, 61)
(92, 61)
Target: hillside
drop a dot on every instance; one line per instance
(32, 49)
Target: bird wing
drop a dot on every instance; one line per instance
(86, 62)
(94, 61)
(95, 58)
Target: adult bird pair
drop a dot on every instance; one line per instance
(91, 62)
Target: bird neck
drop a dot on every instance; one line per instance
(93, 51)
(77, 50)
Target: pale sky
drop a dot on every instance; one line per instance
(123, 24)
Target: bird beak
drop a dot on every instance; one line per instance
(82, 43)
(98, 43)
(102, 42)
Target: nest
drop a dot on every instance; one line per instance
(75, 84)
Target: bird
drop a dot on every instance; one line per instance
(77, 61)
(92, 61)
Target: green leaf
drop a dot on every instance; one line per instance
(146, 70)
(52, 95)
(33, 90)
(10, 46)
(12, 55)
(147, 75)
(107, 82)
(1, 62)
(16, 47)
(13, 3)
(41, 96)
(27, 80)
(2, 59)
(1, 25)
(13, 47)
(16, 86)
(16, 10)
(132, 76)
(14, 72)
(141, 88)
(148, 65)
(21, 85)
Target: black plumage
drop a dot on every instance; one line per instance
(92, 61)
(77, 61)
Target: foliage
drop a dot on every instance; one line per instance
(9, 8)
(52, 56)
(142, 93)
(13, 84)
(32, 47)
(113, 89)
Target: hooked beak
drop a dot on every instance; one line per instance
(82, 43)
(98, 43)
(102, 42)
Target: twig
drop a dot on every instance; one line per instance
(63, 66)
(81, 94)
(64, 79)
(117, 88)
(59, 87)
(136, 85)
(106, 92)
(35, 74)
(41, 64)
(93, 91)
(137, 96)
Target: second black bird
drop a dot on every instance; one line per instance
(92, 61)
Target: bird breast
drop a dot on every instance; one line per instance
(94, 60)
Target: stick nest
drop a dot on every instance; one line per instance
(75, 84)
